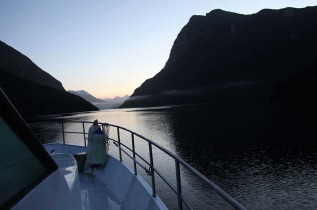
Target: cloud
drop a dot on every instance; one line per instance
(136, 98)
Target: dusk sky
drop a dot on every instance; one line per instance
(108, 48)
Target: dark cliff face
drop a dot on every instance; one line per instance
(18, 64)
(33, 91)
(228, 56)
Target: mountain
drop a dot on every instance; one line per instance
(119, 99)
(16, 63)
(32, 90)
(112, 103)
(106, 103)
(85, 95)
(227, 56)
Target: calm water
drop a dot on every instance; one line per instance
(261, 154)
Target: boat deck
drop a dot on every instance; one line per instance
(114, 186)
(95, 194)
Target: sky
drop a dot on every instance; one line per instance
(108, 47)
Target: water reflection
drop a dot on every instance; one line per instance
(48, 133)
(257, 152)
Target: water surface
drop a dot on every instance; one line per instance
(261, 154)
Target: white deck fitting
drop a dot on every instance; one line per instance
(113, 187)
(68, 167)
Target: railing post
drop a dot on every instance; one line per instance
(63, 133)
(152, 170)
(133, 148)
(179, 186)
(120, 155)
(84, 133)
(103, 127)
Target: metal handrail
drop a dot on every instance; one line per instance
(234, 203)
(147, 170)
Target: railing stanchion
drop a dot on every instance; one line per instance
(120, 155)
(84, 131)
(133, 148)
(152, 170)
(63, 133)
(179, 186)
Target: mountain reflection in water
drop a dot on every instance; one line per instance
(261, 154)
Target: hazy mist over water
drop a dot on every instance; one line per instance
(261, 154)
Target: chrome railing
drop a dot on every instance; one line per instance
(151, 171)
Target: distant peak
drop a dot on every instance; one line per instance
(220, 12)
(216, 12)
(263, 11)
(287, 10)
(196, 17)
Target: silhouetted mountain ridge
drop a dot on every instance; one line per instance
(32, 90)
(228, 56)
(85, 95)
(113, 103)
(106, 103)
(14, 62)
